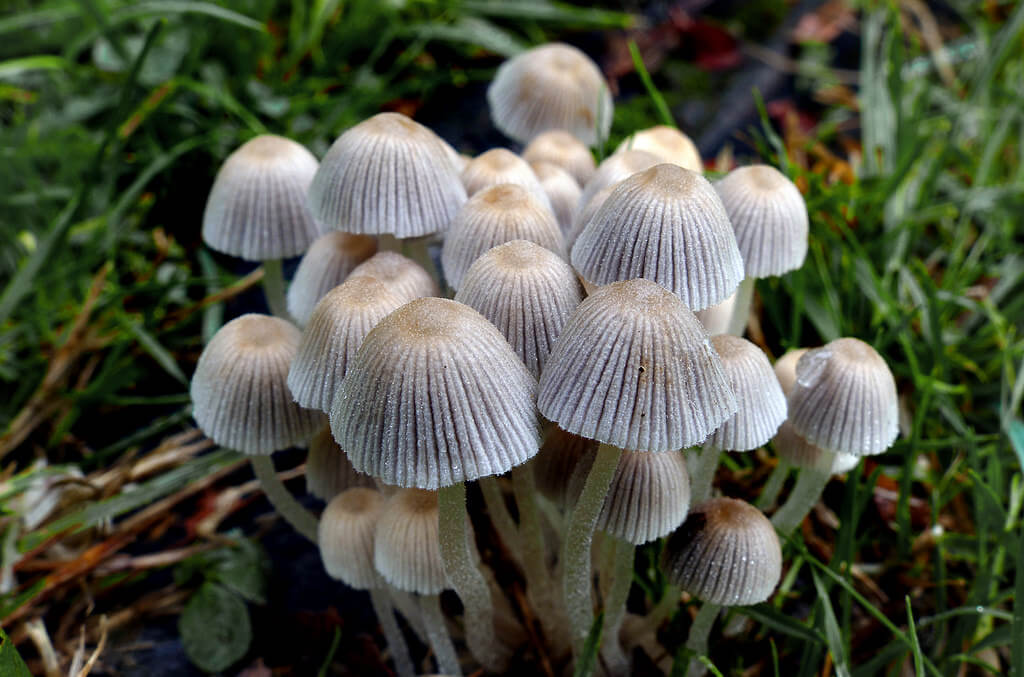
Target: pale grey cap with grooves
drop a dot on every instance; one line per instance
(562, 190)
(668, 143)
(725, 553)
(407, 545)
(239, 390)
(665, 224)
(388, 174)
(527, 292)
(501, 166)
(553, 86)
(563, 149)
(324, 266)
(584, 213)
(762, 402)
(346, 537)
(400, 274)
(494, 216)
(615, 168)
(257, 208)
(633, 368)
(436, 396)
(769, 216)
(328, 470)
(844, 399)
(340, 322)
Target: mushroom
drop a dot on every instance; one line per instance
(324, 266)
(328, 470)
(562, 190)
(400, 274)
(561, 148)
(668, 143)
(615, 168)
(498, 166)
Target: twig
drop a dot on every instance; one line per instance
(87, 668)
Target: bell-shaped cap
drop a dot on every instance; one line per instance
(501, 166)
(715, 318)
(407, 547)
(554, 86)
(328, 470)
(769, 216)
(557, 460)
(665, 224)
(401, 275)
(668, 143)
(844, 399)
(562, 190)
(435, 396)
(340, 322)
(616, 168)
(324, 266)
(388, 174)
(762, 402)
(633, 368)
(346, 537)
(785, 369)
(561, 148)
(494, 216)
(239, 390)
(795, 450)
(584, 213)
(725, 553)
(527, 292)
(257, 208)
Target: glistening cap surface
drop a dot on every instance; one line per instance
(346, 537)
(668, 143)
(407, 546)
(324, 266)
(762, 403)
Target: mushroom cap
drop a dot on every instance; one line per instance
(388, 174)
(527, 292)
(324, 266)
(762, 402)
(407, 546)
(257, 208)
(328, 470)
(633, 368)
(338, 326)
(584, 213)
(555, 462)
(725, 553)
(664, 224)
(668, 143)
(715, 318)
(346, 537)
(615, 168)
(553, 86)
(563, 149)
(562, 190)
(785, 368)
(769, 216)
(434, 396)
(494, 216)
(499, 166)
(844, 399)
(401, 275)
(239, 390)
(795, 450)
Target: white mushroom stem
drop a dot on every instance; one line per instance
(409, 607)
(806, 492)
(273, 289)
(469, 583)
(392, 633)
(502, 520)
(741, 307)
(578, 580)
(771, 489)
(697, 641)
(702, 463)
(438, 635)
(293, 512)
(534, 554)
(615, 606)
(415, 248)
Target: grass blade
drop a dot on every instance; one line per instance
(656, 98)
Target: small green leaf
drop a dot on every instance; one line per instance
(214, 627)
(11, 664)
(242, 568)
(588, 659)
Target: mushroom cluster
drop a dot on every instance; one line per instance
(573, 330)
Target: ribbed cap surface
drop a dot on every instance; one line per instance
(563, 149)
(498, 166)
(668, 143)
(328, 470)
(584, 213)
(324, 266)
(725, 553)
(554, 86)
(240, 396)
(388, 174)
(665, 224)
(527, 292)
(436, 396)
(401, 275)
(615, 168)
(340, 322)
(562, 190)
(845, 399)
(785, 369)
(769, 216)
(797, 451)
(633, 368)
(494, 216)
(257, 208)
(407, 547)
(555, 462)
(762, 403)
(346, 537)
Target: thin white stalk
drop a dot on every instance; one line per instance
(293, 512)
(534, 554)
(502, 520)
(467, 580)
(273, 289)
(615, 607)
(438, 636)
(702, 464)
(392, 633)
(741, 307)
(578, 581)
(409, 607)
(771, 489)
(697, 641)
(806, 492)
